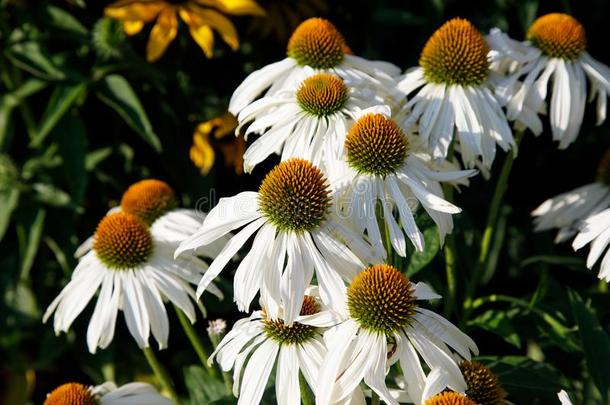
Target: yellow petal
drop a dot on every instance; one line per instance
(144, 11)
(226, 125)
(201, 33)
(236, 7)
(162, 34)
(202, 154)
(132, 27)
(218, 22)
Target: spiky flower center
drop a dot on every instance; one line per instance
(376, 145)
(603, 169)
(450, 398)
(317, 43)
(483, 385)
(297, 332)
(381, 299)
(149, 199)
(294, 196)
(322, 94)
(456, 54)
(71, 394)
(122, 241)
(558, 36)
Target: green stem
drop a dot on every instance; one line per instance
(374, 398)
(195, 341)
(386, 239)
(226, 377)
(451, 272)
(492, 216)
(12, 83)
(161, 373)
(305, 394)
(450, 252)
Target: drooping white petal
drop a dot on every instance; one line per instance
(257, 373)
(287, 387)
(234, 244)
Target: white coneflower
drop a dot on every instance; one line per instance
(317, 44)
(307, 120)
(450, 92)
(555, 51)
(106, 394)
(567, 210)
(135, 272)
(382, 168)
(383, 324)
(584, 210)
(296, 233)
(156, 203)
(258, 344)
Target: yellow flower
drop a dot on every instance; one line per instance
(208, 137)
(201, 16)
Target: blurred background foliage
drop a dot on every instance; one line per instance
(83, 115)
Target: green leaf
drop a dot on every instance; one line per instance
(119, 95)
(6, 123)
(419, 260)
(30, 57)
(29, 232)
(22, 300)
(567, 261)
(62, 20)
(523, 377)
(8, 203)
(62, 98)
(595, 343)
(9, 101)
(95, 157)
(51, 195)
(202, 388)
(29, 87)
(499, 322)
(71, 139)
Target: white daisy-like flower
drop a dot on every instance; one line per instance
(106, 394)
(308, 120)
(383, 324)
(156, 203)
(567, 210)
(317, 44)
(583, 211)
(450, 96)
(257, 344)
(296, 232)
(135, 272)
(555, 51)
(382, 167)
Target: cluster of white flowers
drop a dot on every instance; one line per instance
(362, 147)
